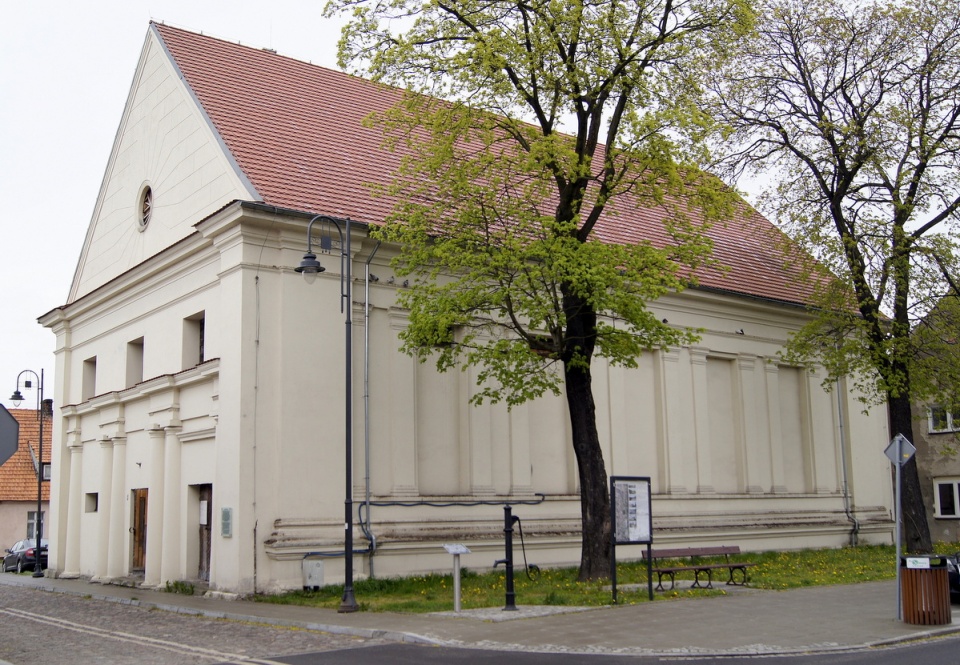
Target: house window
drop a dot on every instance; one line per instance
(943, 420)
(46, 470)
(194, 333)
(89, 378)
(32, 523)
(91, 502)
(946, 497)
(134, 362)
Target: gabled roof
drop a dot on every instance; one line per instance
(296, 131)
(18, 475)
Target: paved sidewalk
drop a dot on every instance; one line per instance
(815, 619)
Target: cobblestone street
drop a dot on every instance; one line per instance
(36, 625)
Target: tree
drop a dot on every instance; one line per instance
(501, 216)
(854, 108)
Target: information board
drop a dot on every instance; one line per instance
(630, 508)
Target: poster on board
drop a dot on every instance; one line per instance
(630, 503)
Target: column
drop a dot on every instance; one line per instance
(103, 509)
(521, 481)
(119, 538)
(823, 435)
(701, 419)
(753, 457)
(71, 565)
(778, 483)
(170, 569)
(403, 415)
(679, 454)
(155, 505)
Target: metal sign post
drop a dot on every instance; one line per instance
(456, 549)
(899, 453)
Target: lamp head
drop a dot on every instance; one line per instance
(16, 397)
(310, 267)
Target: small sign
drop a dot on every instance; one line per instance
(456, 548)
(907, 450)
(918, 562)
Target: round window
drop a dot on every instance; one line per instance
(145, 207)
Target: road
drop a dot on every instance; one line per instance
(41, 627)
(35, 625)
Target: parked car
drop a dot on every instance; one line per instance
(953, 573)
(22, 556)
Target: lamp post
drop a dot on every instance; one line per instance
(310, 267)
(44, 407)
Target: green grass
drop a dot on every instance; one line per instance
(773, 570)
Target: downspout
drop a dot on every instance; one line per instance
(365, 518)
(855, 531)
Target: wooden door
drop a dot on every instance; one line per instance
(206, 518)
(139, 529)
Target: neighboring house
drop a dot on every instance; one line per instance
(937, 426)
(200, 434)
(18, 481)
(937, 433)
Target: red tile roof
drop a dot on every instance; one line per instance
(18, 476)
(295, 130)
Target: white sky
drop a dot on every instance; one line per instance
(65, 71)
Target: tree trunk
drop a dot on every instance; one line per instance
(916, 530)
(594, 497)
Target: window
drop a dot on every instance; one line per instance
(46, 470)
(134, 362)
(91, 502)
(946, 497)
(32, 523)
(194, 333)
(144, 207)
(942, 420)
(89, 378)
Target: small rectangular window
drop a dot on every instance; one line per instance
(194, 340)
(134, 362)
(89, 388)
(32, 523)
(947, 497)
(91, 502)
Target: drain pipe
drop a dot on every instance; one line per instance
(365, 520)
(855, 532)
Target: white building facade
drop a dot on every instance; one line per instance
(200, 381)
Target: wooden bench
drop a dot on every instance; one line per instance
(735, 569)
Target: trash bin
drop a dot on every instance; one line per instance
(925, 588)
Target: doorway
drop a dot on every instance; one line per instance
(139, 530)
(206, 517)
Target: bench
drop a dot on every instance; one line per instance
(734, 569)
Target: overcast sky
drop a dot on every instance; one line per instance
(65, 71)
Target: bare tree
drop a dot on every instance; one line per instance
(854, 110)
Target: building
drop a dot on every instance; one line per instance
(201, 432)
(18, 481)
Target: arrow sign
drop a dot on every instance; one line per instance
(9, 434)
(906, 449)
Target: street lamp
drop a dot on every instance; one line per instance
(310, 267)
(44, 408)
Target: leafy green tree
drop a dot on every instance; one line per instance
(556, 114)
(853, 109)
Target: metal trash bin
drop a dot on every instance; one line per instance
(925, 588)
